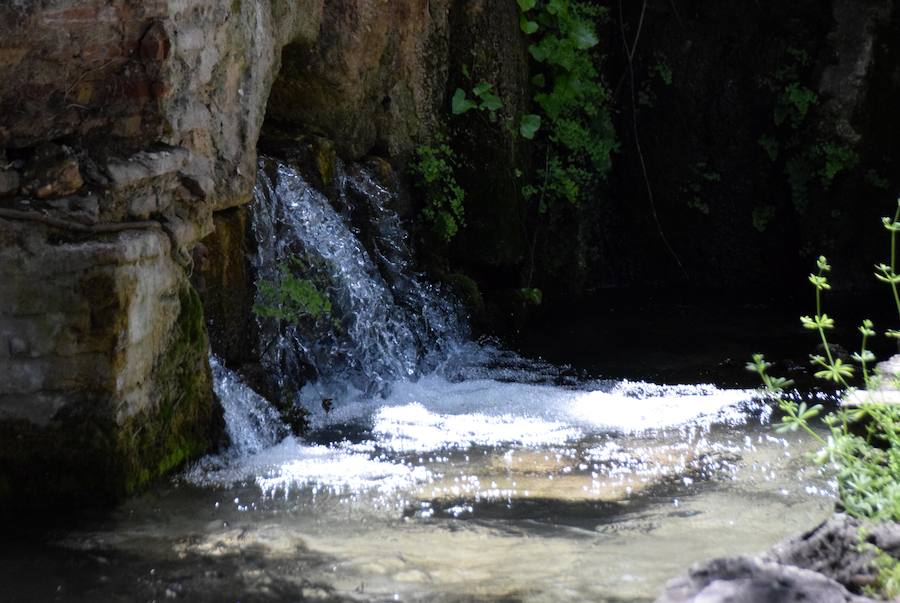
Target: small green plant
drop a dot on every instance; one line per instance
(885, 569)
(435, 172)
(862, 438)
(290, 298)
(484, 100)
(530, 296)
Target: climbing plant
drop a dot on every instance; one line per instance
(571, 118)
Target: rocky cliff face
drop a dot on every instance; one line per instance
(126, 125)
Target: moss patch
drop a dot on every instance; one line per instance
(186, 422)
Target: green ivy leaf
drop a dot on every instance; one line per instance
(526, 5)
(460, 104)
(538, 53)
(584, 36)
(528, 27)
(491, 102)
(481, 87)
(555, 7)
(529, 126)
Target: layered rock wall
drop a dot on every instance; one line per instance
(126, 124)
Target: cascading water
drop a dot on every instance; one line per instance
(250, 421)
(386, 323)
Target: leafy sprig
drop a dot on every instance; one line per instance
(862, 441)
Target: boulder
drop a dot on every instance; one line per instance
(831, 563)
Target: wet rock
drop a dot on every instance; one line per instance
(830, 563)
(53, 171)
(749, 580)
(837, 549)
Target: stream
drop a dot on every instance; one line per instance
(436, 467)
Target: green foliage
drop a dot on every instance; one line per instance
(837, 159)
(862, 442)
(435, 173)
(291, 299)
(887, 585)
(658, 73)
(876, 180)
(793, 105)
(529, 126)
(808, 160)
(572, 101)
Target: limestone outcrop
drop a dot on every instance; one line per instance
(125, 127)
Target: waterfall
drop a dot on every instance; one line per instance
(386, 322)
(250, 421)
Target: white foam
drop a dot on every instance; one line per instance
(635, 407)
(291, 465)
(412, 427)
(434, 414)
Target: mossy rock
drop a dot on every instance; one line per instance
(85, 457)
